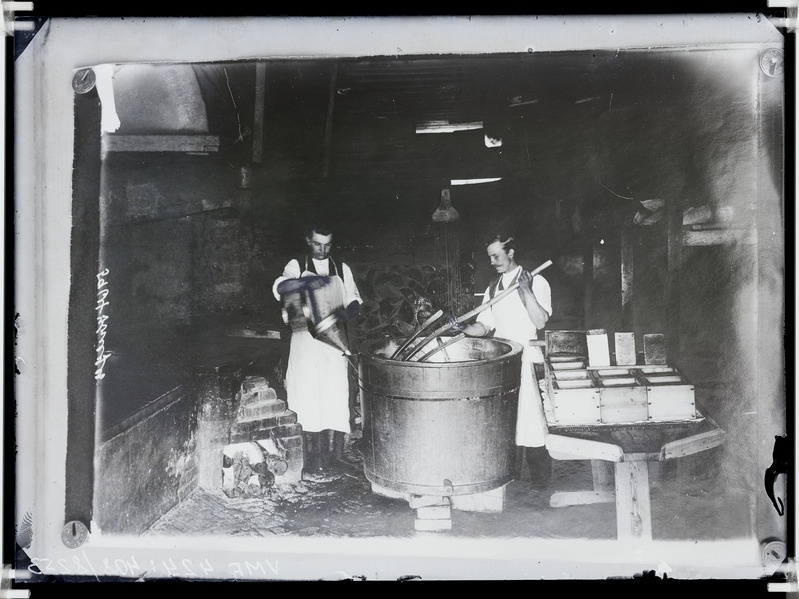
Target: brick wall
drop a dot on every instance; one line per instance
(263, 428)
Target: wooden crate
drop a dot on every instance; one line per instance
(669, 396)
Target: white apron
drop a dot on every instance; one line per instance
(510, 319)
(317, 386)
(317, 383)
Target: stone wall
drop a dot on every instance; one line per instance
(147, 465)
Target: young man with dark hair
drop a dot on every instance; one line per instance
(317, 376)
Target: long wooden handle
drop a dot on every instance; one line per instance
(473, 312)
(416, 333)
(455, 339)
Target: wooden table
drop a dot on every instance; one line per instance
(620, 456)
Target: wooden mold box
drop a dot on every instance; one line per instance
(575, 404)
(580, 394)
(622, 399)
(669, 395)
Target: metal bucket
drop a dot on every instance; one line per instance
(442, 427)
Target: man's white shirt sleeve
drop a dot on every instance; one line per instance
(291, 271)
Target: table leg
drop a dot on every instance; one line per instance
(633, 512)
(602, 474)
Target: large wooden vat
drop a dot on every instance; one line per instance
(444, 426)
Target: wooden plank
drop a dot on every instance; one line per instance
(432, 525)
(567, 498)
(693, 444)
(555, 455)
(708, 237)
(440, 511)
(624, 343)
(633, 511)
(627, 254)
(582, 448)
(160, 143)
(260, 107)
(598, 347)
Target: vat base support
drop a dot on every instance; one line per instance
(492, 501)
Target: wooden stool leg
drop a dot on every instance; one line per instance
(604, 488)
(602, 473)
(633, 512)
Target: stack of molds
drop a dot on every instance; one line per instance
(580, 394)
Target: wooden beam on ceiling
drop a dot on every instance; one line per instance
(160, 143)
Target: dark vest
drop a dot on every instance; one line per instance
(492, 286)
(306, 263)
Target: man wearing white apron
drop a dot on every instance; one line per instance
(317, 376)
(519, 317)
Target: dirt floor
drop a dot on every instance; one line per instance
(689, 501)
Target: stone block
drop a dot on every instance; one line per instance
(441, 511)
(625, 349)
(654, 348)
(432, 525)
(288, 418)
(286, 443)
(293, 453)
(253, 383)
(267, 394)
(256, 389)
(240, 436)
(261, 428)
(261, 409)
(286, 430)
(245, 426)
